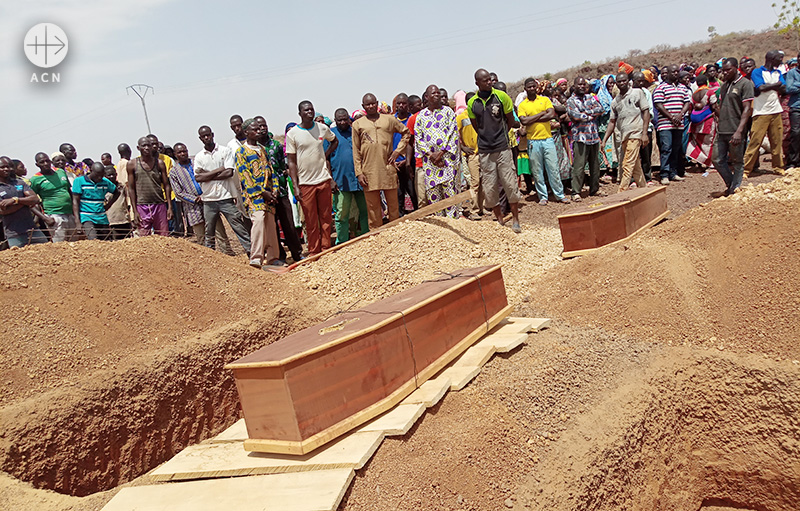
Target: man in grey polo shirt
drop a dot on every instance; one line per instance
(213, 169)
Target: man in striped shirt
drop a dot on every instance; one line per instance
(672, 100)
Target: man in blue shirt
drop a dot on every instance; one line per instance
(793, 90)
(344, 174)
(89, 201)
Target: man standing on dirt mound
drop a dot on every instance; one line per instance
(310, 171)
(769, 83)
(736, 103)
(259, 192)
(373, 138)
(149, 190)
(491, 113)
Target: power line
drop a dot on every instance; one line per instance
(461, 36)
(141, 90)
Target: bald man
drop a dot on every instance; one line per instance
(374, 159)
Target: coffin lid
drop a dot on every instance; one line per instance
(344, 327)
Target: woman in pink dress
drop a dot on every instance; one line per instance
(703, 129)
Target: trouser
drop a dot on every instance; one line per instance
(283, 215)
(793, 158)
(374, 210)
(63, 229)
(670, 143)
(407, 184)
(153, 217)
(95, 231)
(176, 226)
(543, 158)
(498, 171)
(32, 237)
(221, 237)
(723, 151)
(631, 164)
(645, 156)
(770, 126)
(264, 237)
(120, 231)
(226, 207)
(344, 201)
(419, 183)
(475, 186)
(316, 202)
(443, 191)
(583, 154)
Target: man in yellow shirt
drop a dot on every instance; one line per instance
(535, 114)
(469, 148)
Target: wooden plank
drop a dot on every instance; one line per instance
(511, 328)
(204, 461)
(476, 355)
(303, 491)
(460, 376)
(430, 392)
(397, 421)
(576, 253)
(414, 215)
(539, 324)
(503, 343)
(236, 433)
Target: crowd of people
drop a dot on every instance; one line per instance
(351, 174)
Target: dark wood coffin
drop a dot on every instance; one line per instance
(308, 388)
(611, 219)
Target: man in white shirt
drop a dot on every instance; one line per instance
(310, 172)
(213, 168)
(768, 82)
(238, 134)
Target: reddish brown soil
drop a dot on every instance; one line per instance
(136, 358)
(102, 361)
(723, 276)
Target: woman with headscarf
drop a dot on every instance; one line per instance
(604, 87)
(703, 127)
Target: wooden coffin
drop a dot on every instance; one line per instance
(308, 388)
(611, 219)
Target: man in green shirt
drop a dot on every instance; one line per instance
(53, 188)
(89, 201)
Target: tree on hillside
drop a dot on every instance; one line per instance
(712, 32)
(788, 12)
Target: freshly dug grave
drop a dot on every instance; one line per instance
(702, 430)
(79, 307)
(722, 276)
(104, 377)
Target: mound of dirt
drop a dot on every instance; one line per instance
(413, 252)
(700, 430)
(73, 308)
(723, 276)
(113, 359)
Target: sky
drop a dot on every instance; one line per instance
(209, 60)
